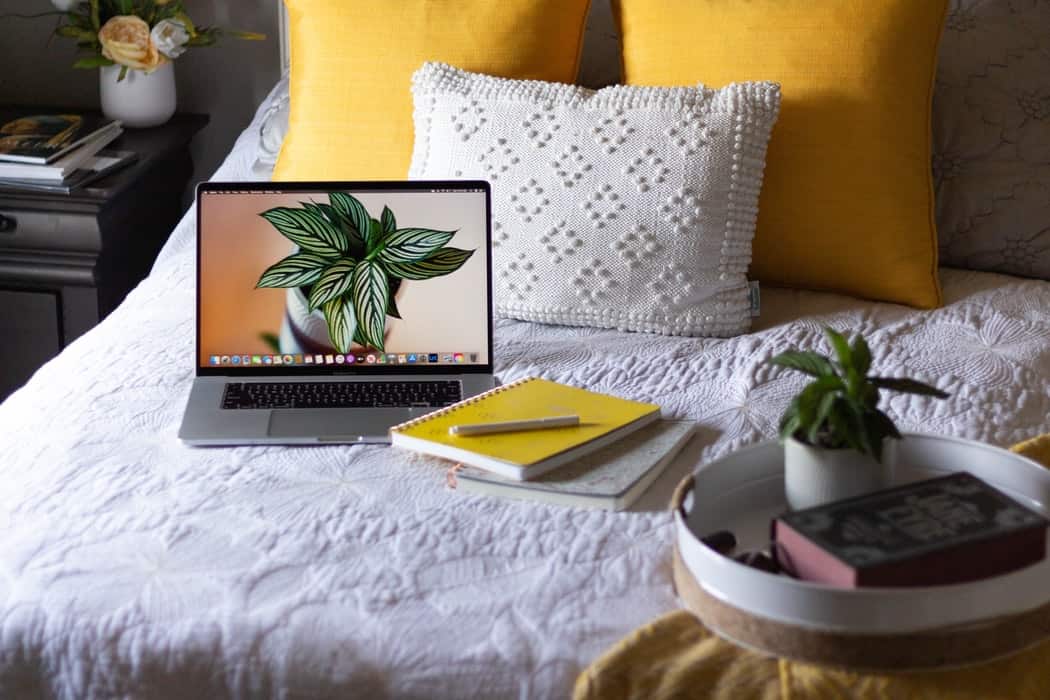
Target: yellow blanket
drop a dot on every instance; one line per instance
(677, 657)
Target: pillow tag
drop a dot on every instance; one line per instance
(756, 298)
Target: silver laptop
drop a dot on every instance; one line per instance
(328, 312)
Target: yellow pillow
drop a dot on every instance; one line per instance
(352, 61)
(847, 203)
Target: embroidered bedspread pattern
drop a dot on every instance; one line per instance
(132, 566)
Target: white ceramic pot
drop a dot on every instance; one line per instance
(140, 100)
(303, 330)
(816, 475)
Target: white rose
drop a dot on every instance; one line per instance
(65, 5)
(170, 37)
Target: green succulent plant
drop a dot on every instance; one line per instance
(350, 264)
(839, 408)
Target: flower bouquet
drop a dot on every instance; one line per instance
(133, 44)
(134, 34)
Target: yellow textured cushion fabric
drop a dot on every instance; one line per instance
(847, 203)
(675, 656)
(352, 61)
(1038, 449)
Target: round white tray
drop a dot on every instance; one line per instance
(745, 490)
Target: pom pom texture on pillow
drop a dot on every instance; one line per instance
(630, 208)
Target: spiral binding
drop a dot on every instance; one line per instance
(456, 406)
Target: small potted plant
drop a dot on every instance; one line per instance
(346, 269)
(836, 440)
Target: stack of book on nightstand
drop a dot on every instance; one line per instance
(56, 152)
(540, 440)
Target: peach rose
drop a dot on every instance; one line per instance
(126, 40)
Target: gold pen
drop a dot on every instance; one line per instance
(513, 426)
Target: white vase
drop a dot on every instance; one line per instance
(141, 99)
(306, 331)
(816, 475)
(303, 330)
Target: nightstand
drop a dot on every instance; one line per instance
(66, 261)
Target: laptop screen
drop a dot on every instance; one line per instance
(342, 278)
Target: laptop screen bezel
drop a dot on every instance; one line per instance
(347, 370)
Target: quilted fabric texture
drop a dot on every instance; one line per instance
(134, 566)
(847, 203)
(991, 162)
(352, 60)
(629, 208)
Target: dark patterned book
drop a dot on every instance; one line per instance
(946, 530)
(26, 136)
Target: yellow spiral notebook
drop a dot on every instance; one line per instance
(527, 454)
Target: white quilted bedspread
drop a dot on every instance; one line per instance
(133, 566)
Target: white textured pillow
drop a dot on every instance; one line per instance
(626, 207)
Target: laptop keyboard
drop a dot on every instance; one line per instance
(340, 394)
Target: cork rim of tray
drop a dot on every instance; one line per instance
(711, 586)
(942, 648)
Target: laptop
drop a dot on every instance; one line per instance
(329, 312)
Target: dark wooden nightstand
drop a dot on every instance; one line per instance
(66, 261)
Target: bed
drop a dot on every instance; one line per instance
(134, 566)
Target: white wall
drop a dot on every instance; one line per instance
(226, 82)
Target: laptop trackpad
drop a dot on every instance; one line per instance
(336, 424)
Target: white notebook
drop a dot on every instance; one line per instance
(612, 477)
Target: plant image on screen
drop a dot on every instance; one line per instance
(349, 265)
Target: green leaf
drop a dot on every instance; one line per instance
(790, 421)
(861, 355)
(95, 23)
(391, 307)
(810, 399)
(371, 292)
(389, 222)
(842, 433)
(309, 232)
(908, 386)
(820, 421)
(804, 361)
(855, 384)
(72, 32)
(334, 282)
(875, 429)
(93, 62)
(76, 20)
(887, 428)
(342, 323)
(271, 340)
(841, 347)
(355, 212)
(246, 36)
(294, 271)
(853, 413)
(205, 37)
(412, 244)
(358, 338)
(334, 233)
(445, 261)
(374, 237)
